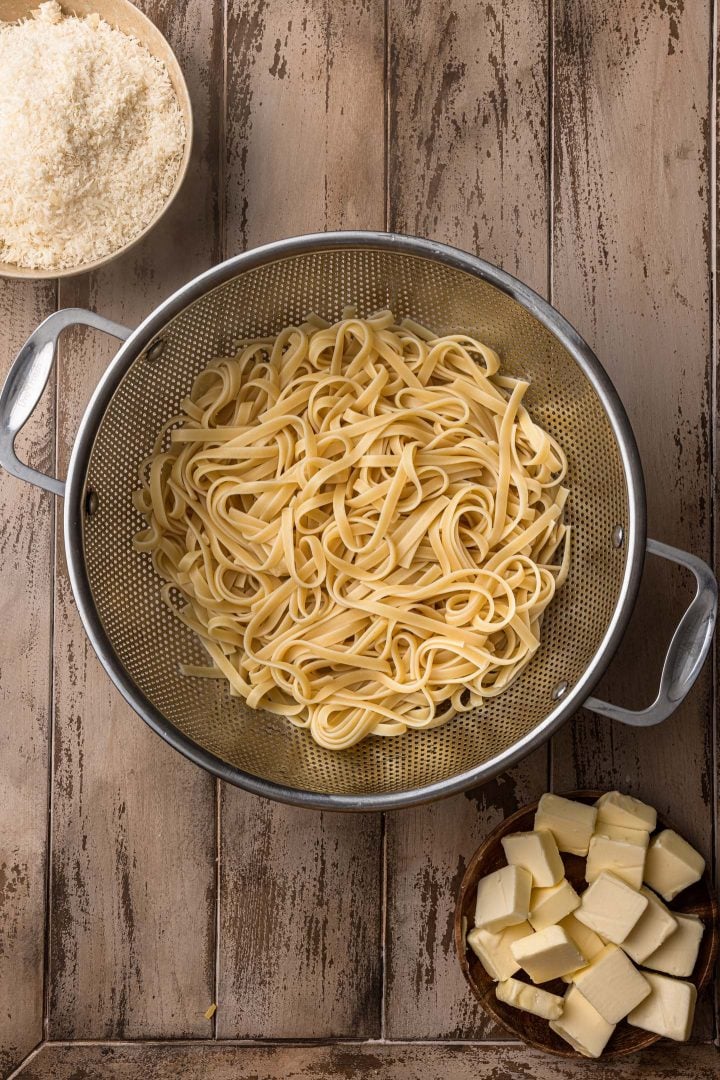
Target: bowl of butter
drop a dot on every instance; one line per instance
(587, 925)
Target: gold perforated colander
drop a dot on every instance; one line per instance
(142, 645)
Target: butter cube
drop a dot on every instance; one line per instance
(668, 1010)
(537, 853)
(493, 950)
(654, 926)
(571, 823)
(617, 809)
(571, 976)
(530, 999)
(672, 864)
(549, 906)
(581, 1025)
(547, 955)
(612, 984)
(610, 907)
(503, 898)
(678, 954)
(623, 857)
(619, 832)
(586, 940)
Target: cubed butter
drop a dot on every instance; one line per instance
(654, 926)
(619, 832)
(668, 1010)
(493, 950)
(549, 906)
(571, 976)
(503, 898)
(586, 940)
(623, 857)
(610, 907)
(537, 853)
(672, 864)
(581, 1025)
(571, 823)
(678, 954)
(612, 984)
(618, 809)
(547, 954)
(530, 999)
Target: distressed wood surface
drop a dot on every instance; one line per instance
(300, 892)
(715, 427)
(350, 1061)
(168, 891)
(26, 520)
(132, 941)
(468, 164)
(631, 269)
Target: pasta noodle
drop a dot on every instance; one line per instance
(362, 523)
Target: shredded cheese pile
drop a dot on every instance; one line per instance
(91, 139)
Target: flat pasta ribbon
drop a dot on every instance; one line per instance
(363, 523)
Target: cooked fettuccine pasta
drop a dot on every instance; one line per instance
(361, 522)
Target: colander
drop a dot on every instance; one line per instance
(142, 645)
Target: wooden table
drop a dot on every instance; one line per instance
(571, 144)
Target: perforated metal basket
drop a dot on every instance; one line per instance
(256, 294)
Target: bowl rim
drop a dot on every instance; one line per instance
(14, 272)
(504, 828)
(213, 278)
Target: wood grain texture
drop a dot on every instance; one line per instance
(133, 847)
(467, 165)
(715, 414)
(428, 850)
(468, 136)
(26, 529)
(300, 892)
(300, 932)
(631, 271)
(293, 136)
(305, 143)
(348, 1061)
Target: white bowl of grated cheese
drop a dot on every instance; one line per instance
(95, 134)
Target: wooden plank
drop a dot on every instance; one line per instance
(467, 165)
(300, 892)
(410, 1061)
(428, 850)
(133, 845)
(468, 138)
(715, 740)
(305, 137)
(632, 272)
(300, 921)
(26, 529)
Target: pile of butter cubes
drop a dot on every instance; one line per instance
(529, 916)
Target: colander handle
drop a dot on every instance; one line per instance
(27, 379)
(688, 648)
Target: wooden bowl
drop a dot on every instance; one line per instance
(699, 899)
(126, 17)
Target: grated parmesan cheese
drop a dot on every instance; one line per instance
(91, 139)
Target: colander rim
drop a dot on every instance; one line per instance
(150, 328)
